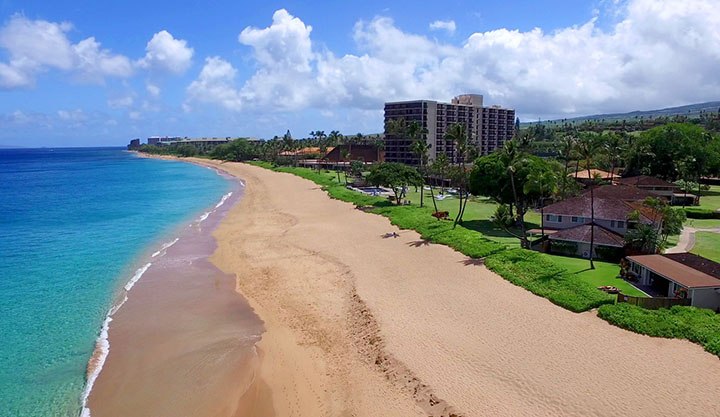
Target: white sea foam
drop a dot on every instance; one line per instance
(164, 247)
(223, 199)
(102, 348)
(203, 217)
(139, 273)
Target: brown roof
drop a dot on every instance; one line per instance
(581, 233)
(605, 208)
(673, 267)
(645, 180)
(621, 192)
(696, 262)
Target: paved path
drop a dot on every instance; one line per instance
(687, 239)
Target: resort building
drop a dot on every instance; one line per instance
(679, 275)
(488, 127)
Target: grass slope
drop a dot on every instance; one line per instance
(701, 326)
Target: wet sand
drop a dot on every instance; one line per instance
(362, 325)
(183, 344)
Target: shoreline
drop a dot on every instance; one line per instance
(411, 317)
(167, 251)
(356, 324)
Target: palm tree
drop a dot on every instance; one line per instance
(589, 147)
(379, 146)
(568, 151)
(457, 134)
(512, 157)
(440, 166)
(345, 155)
(543, 183)
(420, 148)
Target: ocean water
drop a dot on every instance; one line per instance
(74, 226)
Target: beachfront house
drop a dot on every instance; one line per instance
(680, 275)
(568, 223)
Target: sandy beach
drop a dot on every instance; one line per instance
(359, 323)
(362, 325)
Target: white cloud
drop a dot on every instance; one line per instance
(34, 46)
(215, 85)
(166, 54)
(135, 115)
(153, 90)
(446, 25)
(121, 102)
(654, 53)
(77, 117)
(94, 63)
(285, 44)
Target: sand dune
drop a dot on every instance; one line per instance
(362, 325)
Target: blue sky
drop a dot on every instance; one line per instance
(100, 73)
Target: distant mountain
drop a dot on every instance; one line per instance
(691, 110)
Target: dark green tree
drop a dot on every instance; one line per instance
(395, 176)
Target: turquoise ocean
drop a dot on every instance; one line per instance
(74, 225)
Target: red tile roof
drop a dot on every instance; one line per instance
(581, 234)
(674, 268)
(645, 181)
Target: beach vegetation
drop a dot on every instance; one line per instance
(698, 325)
(565, 281)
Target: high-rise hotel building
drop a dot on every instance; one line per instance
(488, 127)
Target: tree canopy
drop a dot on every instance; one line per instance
(674, 151)
(396, 176)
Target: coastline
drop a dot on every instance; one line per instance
(357, 324)
(363, 325)
(173, 294)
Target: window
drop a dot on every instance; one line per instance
(559, 219)
(574, 219)
(612, 224)
(620, 224)
(553, 218)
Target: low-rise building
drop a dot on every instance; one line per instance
(682, 275)
(569, 221)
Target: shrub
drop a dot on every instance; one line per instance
(539, 274)
(701, 213)
(698, 325)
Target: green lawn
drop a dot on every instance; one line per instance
(477, 215)
(703, 223)
(710, 199)
(707, 244)
(605, 273)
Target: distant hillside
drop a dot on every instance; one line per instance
(691, 110)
